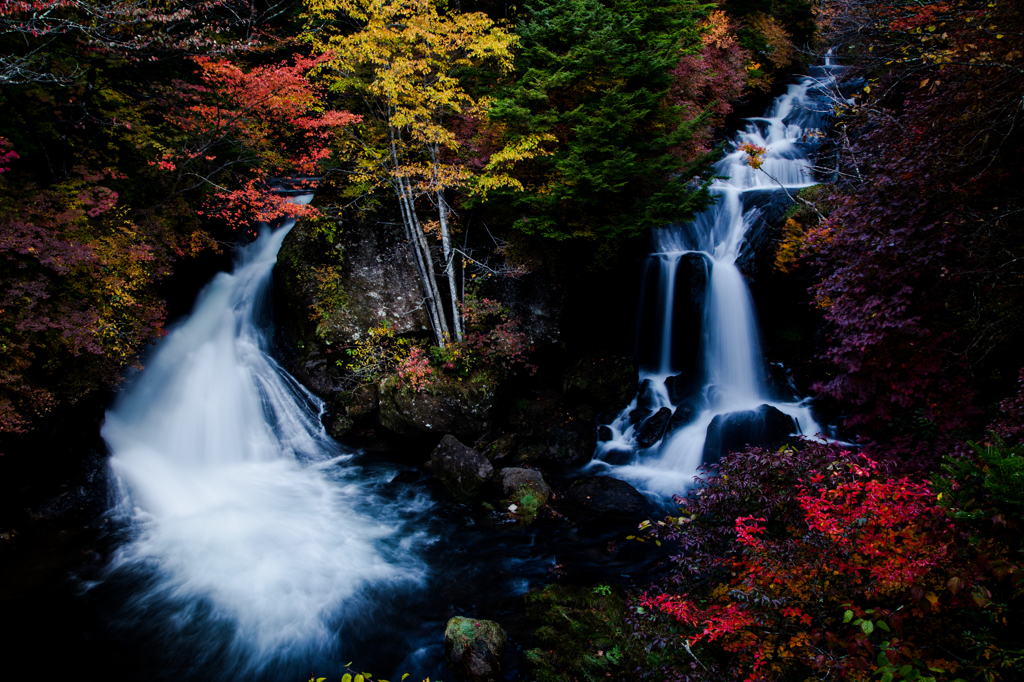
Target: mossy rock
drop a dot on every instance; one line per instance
(527, 490)
(475, 649)
(462, 407)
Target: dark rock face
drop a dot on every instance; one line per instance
(378, 279)
(475, 649)
(462, 408)
(687, 318)
(736, 430)
(569, 443)
(463, 470)
(653, 429)
(604, 433)
(535, 300)
(605, 496)
(604, 380)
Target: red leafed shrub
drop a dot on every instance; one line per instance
(819, 564)
(240, 127)
(415, 369)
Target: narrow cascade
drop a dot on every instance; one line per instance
(715, 381)
(249, 531)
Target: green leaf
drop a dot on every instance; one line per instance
(346, 677)
(905, 670)
(882, 625)
(403, 677)
(848, 616)
(867, 626)
(882, 660)
(887, 677)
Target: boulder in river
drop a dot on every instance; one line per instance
(526, 490)
(736, 430)
(475, 649)
(463, 470)
(653, 428)
(606, 496)
(639, 414)
(683, 387)
(683, 415)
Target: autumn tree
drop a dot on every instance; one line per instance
(404, 61)
(237, 128)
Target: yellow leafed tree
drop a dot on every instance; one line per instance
(404, 59)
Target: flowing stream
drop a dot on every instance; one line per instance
(700, 352)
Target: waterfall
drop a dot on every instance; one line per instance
(244, 517)
(722, 381)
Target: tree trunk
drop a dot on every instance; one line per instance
(449, 264)
(420, 250)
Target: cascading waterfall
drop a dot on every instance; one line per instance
(724, 375)
(243, 513)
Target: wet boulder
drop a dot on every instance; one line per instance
(463, 470)
(616, 456)
(462, 408)
(604, 433)
(683, 415)
(349, 407)
(475, 649)
(606, 496)
(683, 387)
(653, 428)
(736, 430)
(639, 414)
(526, 490)
(646, 397)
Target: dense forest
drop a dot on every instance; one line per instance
(503, 144)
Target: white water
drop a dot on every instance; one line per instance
(732, 373)
(240, 505)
